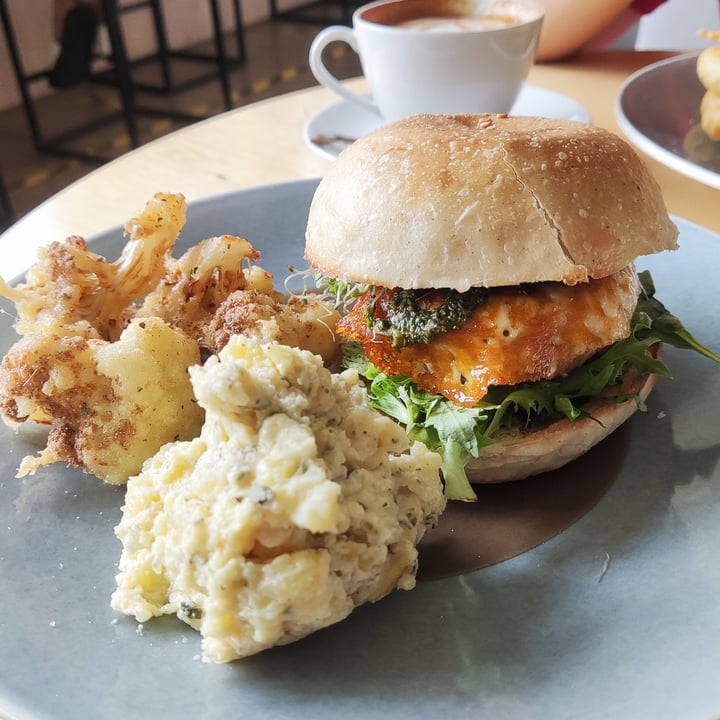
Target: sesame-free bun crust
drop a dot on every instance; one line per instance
(519, 456)
(484, 200)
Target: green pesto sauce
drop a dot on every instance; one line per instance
(407, 322)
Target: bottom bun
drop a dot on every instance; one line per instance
(522, 455)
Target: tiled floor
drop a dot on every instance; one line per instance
(277, 63)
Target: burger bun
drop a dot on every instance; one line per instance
(455, 201)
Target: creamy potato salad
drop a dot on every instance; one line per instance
(296, 503)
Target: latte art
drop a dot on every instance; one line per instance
(466, 23)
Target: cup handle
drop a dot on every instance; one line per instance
(335, 33)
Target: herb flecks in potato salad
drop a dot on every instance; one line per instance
(296, 503)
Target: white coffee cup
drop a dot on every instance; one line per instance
(468, 56)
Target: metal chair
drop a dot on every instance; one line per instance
(341, 11)
(121, 77)
(221, 58)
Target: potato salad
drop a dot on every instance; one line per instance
(296, 503)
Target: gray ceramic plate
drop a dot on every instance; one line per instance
(616, 617)
(658, 108)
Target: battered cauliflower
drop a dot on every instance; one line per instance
(71, 290)
(295, 504)
(110, 406)
(106, 345)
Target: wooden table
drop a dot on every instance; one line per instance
(262, 143)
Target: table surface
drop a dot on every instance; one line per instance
(263, 143)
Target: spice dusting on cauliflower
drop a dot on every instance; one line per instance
(297, 503)
(110, 405)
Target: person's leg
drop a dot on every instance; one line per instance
(60, 10)
(77, 37)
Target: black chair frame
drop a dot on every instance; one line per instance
(120, 75)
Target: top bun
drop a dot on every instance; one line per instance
(455, 201)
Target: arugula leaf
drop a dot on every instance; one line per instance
(664, 324)
(458, 433)
(457, 485)
(458, 440)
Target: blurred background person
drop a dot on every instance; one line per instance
(572, 27)
(75, 25)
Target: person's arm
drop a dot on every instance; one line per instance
(569, 25)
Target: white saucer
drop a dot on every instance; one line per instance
(337, 126)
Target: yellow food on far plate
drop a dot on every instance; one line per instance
(710, 114)
(708, 72)
(296, 503)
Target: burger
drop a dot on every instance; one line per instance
(484, 265)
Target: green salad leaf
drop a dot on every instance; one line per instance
(458, 433)
(664, 324)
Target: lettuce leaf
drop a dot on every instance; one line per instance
(457, 433)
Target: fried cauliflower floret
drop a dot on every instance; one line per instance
(74, 306)
(297, 503)
(211, 296)
(70, 290)
(304, 322)
(197, 284)
(109, 405)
